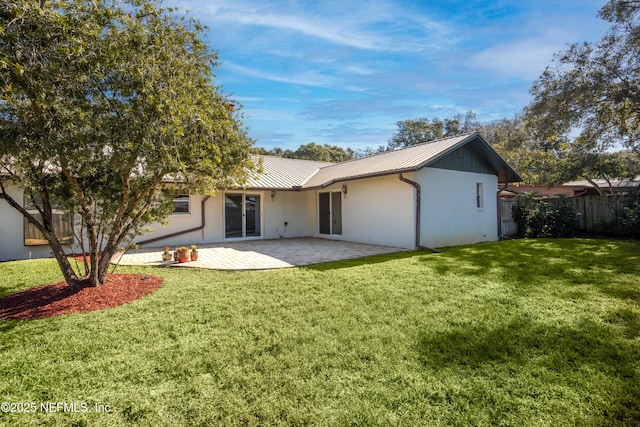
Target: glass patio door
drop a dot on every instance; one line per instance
(330, 213)
(242, 215)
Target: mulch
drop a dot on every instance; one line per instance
(57, 298)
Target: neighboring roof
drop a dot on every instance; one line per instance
(615, 183)
(541, 191)
(293, 174)
(411, 159)
(284, 174)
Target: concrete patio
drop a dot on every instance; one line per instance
(262, 254)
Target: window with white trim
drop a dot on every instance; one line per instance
(181, 204)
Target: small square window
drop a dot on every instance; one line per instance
(181, 204)
(479, 196)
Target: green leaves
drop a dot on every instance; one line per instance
(592, 88)
(115, 96)
(586, 105)
(418, 131)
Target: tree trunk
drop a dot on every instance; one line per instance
(70, 276)
(596, 186)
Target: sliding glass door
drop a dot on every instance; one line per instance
(330, 213)
(242, 215)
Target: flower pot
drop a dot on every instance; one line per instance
(194, 255)
(183, 256)
(167, 257)
(175, 256)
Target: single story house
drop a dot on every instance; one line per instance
(441, 193)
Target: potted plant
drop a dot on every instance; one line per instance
(194, 253)
(183, 254)
(166, 255)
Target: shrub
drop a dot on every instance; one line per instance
(629, 215)
(545, 218)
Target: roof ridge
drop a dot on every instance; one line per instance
(294, 159)
(460, 135)
(382, 153)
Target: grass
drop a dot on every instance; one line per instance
(531, 332)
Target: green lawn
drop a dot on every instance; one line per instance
(531, 332)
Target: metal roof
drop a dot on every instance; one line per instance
(406, 159)
(411, 159)
(287, 174)
(284, 174)
(616, 182)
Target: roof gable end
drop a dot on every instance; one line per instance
(414, 158)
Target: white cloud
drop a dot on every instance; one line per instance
(377, 25)
(329, 31)
(308, 78)
(523, 59)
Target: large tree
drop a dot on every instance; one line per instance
(312, 151)
(538, 165)
(510, 139)
(587, 102)
(101, 103)
(417, 131)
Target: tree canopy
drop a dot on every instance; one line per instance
(529, 156)
(417, 131)
(586, 104)
(312, 151)
(102, 102)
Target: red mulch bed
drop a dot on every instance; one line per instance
(57, 298)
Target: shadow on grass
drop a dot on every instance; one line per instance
(357, 262)
(527, 347)
(524, 261)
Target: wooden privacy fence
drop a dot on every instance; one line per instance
(596, 214)
(508, 226)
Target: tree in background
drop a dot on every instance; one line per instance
(510, 139)
(587, 102)
(101, 102)
(418, 131)
(535, 163)
(312, 151)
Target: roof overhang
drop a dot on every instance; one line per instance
(363, 176)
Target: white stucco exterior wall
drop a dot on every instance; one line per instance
(450, 215)
(376, 210)
(379, 210)
(285, 206)
(185, 221)
(289, 207)
(12, 231)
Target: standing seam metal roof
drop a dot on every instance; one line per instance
(284, 174)
(406, 159)
(280, 173)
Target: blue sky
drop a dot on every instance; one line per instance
(343, 72)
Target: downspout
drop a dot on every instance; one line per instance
(499, 210)
(418, 204)
(179, 233)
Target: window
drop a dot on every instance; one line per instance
(479, 196)
(62, 226)
(460, 153)
(181, 204)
